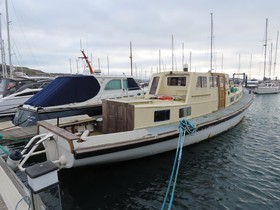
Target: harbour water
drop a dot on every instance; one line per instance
(238, 169)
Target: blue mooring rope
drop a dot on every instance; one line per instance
(185, 126)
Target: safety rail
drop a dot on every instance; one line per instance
(43, 137)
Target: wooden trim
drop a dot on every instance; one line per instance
(202, 95)
(69, 137)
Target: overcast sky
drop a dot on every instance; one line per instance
(46, 35)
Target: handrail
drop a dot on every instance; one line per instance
(43, 137)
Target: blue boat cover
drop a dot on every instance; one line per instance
(65, 90)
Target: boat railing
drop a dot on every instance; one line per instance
(32, 152)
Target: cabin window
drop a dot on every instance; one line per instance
(213, 82)
(201, 82)
(130, 84)
(183, 112)
(154, 85)
(176, 81)
(222, 81)
(226, 81)
(231, 99)
(161, 115)
(125, 86)
(114, 84)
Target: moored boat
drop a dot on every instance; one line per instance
(133, 128)
(10, 103)
(74, 95)
(267, 88)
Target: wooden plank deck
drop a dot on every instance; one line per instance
(19, 133)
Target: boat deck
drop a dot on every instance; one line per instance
(93, 142)
(12, 191)
(20, 133)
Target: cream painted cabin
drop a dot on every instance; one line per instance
(170, 97)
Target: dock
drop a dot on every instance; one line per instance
(13, 193)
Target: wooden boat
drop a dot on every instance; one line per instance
(131, 128)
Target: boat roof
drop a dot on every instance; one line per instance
(66, 89)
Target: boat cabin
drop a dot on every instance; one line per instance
(170, 97)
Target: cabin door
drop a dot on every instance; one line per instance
(222, 91)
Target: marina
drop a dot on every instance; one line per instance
(159, 134)
(237, 169)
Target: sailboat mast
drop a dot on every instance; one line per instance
(211, 48)
(9, 42)
(159, 61)
(265, 45)
(275, 56)
(4, 72)
(131, 70)
(172, 53)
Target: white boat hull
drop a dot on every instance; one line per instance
(61, 150)
(269, 88)
(158, 148)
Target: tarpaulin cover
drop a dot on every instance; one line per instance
(65, 90)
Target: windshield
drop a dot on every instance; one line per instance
(7, 87)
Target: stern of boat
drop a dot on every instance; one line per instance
(59, 148)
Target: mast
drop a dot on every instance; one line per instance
(270, 61)
(183, 55)
(172, 53)
(211, 47)
(4, 70)
(9, 42)
(159, 61)
(275, 56)
(265, 45)
(87, 61)
(131, 70)
(190, 60)
(108, 64)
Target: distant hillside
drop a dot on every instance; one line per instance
(29, 71)
(18, 70)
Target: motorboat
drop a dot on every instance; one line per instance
(10, 103)
(75, 95)
(132, 127)
(11, 85)
(267, 88)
